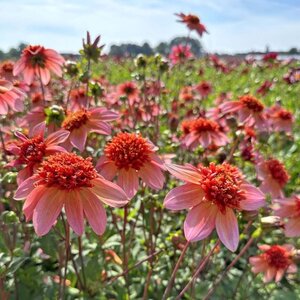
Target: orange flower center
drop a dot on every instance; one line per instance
(277, 257)
(75, 120)
(78, 94)
(67, 171)
(128, 150)
(222, 185)
(8, 67)
(252, 103)
(32, 150)
(201, 125)
(186, 126)
(278, 171)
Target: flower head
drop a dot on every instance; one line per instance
(274, 262)
(289, 209)
(130, 156)
(180, 53)
(31, 151)
(10, 97)
(204, 132)
(192, 22)
(249, 109)
(212, 194)
(39, 61)
(280, 119)
(66, 180)
(83, 121)
(273, 175)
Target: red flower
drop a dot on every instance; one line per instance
(66, 180)
(36, 60)
(274, 262)
(192, 22)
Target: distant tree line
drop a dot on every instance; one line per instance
(163, 48)
(12, 53)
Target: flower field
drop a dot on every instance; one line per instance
(151, 177)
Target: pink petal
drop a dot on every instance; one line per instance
(279, 275)
(269, 275)
(45, 75)
(108, 170)
(186, 173)
(78, 138)
(25, 188)
(24, 174)
(57, 137)
(152, 176)
(74, 211)
(228, 229)
(31, 201)
(292, 227)
(47, 210)
(109, 193)
(200, 221)
(255, 199)
(94, 211)
(184, 197)
(128, 181)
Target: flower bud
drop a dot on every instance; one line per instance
(9, 217)
(140, 61)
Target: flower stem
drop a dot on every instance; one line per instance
(3, 146)
(42, 87)
(171, 281)
(199, 269)
(125, 258)
(67, 246)
(81, 260)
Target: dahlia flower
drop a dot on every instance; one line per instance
(280, 119)
(39, 61)
(192, 22)
(212, 194)
(66, 180)
(249, 109)
(202, 132)
(10, 97)
(274, 262)
(83, 121)
(180, 53)
(130, 156)
(290, 209)
(31, 151)
(273, 175)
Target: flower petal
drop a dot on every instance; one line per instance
(292, 227)
(200, 221)
(47, 210)
(74, 211)
(152, 176)
(227, 229)
(128, 180)
(25, 188)
(186, 173)
(109, 193)
(57, 137)
(94, 211)
(184, 197)
(255, 199)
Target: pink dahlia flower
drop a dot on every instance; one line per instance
(81, 122)
(31, 151)
(180, 53)
(130, 156)
(274, 262)
(273, 175)
(249, 109)
(290, 209)
(280, 119)
(10, 97)
(36, 60)
(202, 132)
(212, 194)
(66, 180)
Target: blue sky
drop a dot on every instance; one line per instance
(234, 25)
